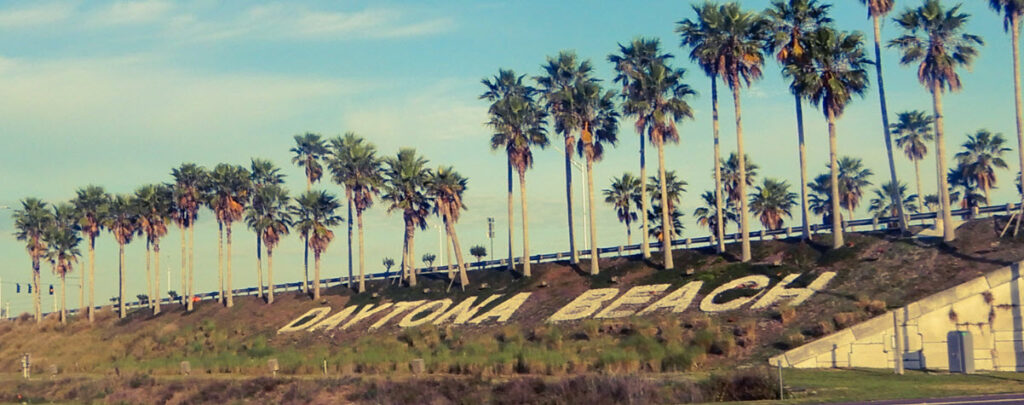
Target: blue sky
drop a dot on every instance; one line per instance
(118, 93)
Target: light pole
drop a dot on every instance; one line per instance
(490, 235)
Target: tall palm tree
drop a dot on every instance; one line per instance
(706, 215)
(982, 154)
(263, 174)
(654, 216)
(31, 223)
(407, 181)
(836, 73)
(632, 64)
(913, 129)
(853, 179)
(309, 150)
(791, 20)
(363, 176)
(878, 9)
(598, 121)
(91, 204)
(820, 200)
(704, 38)
(314, 213)
(189, 182)
(504, 86)
(518, 123)
(624, 196)
(731, 176)
(230, 189)
(1012, 11)
(270, 219)
(555, 86)
(881, 205)
(936, 38)
(446, 187)
(123, 223)
(674, 189)
(744, 36)
(62, 240)
(153, 203)
(655, 94)
(964, 188)
(772, 201)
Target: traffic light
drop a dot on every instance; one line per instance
(51, 289)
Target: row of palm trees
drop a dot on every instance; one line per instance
(255, 195)
(824, 65)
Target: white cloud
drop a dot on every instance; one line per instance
(35, 15)
(131, 12)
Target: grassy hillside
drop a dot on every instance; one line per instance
(874, 272)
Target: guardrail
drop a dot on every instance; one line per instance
(622, 250)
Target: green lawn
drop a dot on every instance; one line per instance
(813, 386)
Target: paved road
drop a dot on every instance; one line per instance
(1004, 399)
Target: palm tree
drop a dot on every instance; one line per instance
(853, 179)
(624, 196)
(655, 94)
(878, 9)
(340, 164)
(836, 73)
(881, 205)
(820, 201)
(555, 86)
(362, 174)
(674, 188)
(655, 218)
(154, 208)
(189, 182)
(704, 38)
(123, 223)
(964, 188)
(62, 241)
(31, 222)
(982, 154)
(744, 34)
(706, 215)
(407, 183)
(632, 64)
(913, 129)
(1012, 11)
(230, 189)
(314, 213)
(270, 221)
(935, 37)
(771, 201)
(309, 149)
(446, 187)
(91, 204)
(790, 21)
(262, 174)
(518, 124)
(731, 176)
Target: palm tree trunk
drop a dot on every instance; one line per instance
(526, 224)
(227, 289)
(121, 287)
(629, 232)
(448, 254)
(316, 274)
(511, 218)
(594, 268)
(220, 261)
(917, 177)
(36, 298)
(270, 275)
(348, 193)
(305, 263)
(92, 278)
(362, 254)
(191, 267)
(405, 254)
(259, 263)
(81, 295)
(1015, 40)
(948, 233)
(666, 221)
(806, 216)
(837, 222)
(149, 277)
(645, 246)
(895, 197)
(719, 227)
(181, 229)
(575, 255)
(463, 279)
(744, 225)
(411, 253)
(63, 299)
(156, 279)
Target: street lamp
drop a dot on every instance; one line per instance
(490, 235)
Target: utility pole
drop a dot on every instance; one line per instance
(490, 235)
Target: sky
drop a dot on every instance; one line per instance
(116, 93)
